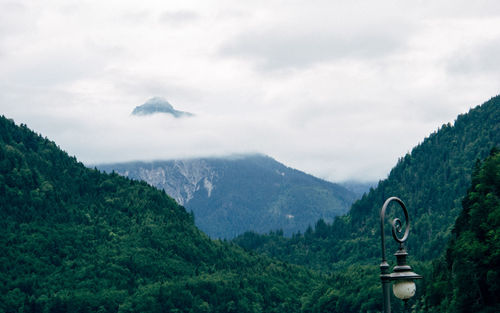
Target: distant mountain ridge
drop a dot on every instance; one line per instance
(249, 192)
(359, 188)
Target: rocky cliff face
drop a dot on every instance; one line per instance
(180, 179)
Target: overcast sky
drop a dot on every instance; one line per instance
(338, 89)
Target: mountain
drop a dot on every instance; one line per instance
(158, 105)
(74, 239)
(249, 192)
(432, 180)
(77, 240)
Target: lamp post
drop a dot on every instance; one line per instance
(402, 275)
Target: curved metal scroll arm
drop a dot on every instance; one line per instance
(397, 225)
(402, 270)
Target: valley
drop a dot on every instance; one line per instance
(77, 239)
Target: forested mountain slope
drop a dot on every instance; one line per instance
(76, 240)
(466, 278)
(432, 180)
(235, 194)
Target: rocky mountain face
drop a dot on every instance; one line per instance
(236, 194)
(180, 179)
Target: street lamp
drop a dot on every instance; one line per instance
(402, 275)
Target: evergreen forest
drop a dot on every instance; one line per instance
(78, 240)
(466, 276)
(432, 180)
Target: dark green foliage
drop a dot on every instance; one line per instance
(250, 192)
(469, 274)
(432, 180)
(77, 240)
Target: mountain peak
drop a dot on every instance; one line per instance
(158, 105)
(233, 194)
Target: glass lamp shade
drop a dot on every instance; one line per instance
(404, 289)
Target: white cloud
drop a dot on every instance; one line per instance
(337, 89)
(177, 18)
(319, 35)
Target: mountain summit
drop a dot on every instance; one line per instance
(158, 105)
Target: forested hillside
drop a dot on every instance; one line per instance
(231, 195)
(432, 180)
(466, 278)
(77, 240)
